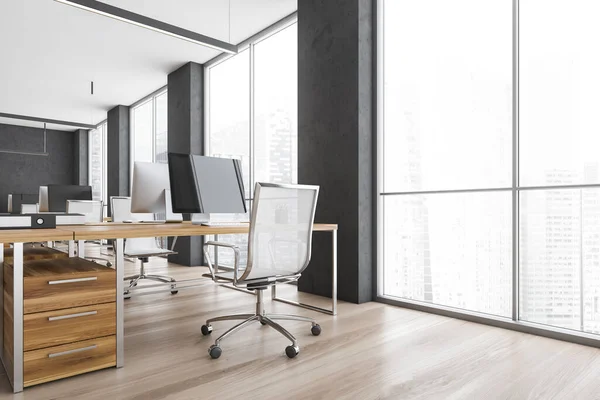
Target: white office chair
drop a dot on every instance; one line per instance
(93, 210)
(140, 248)
(279, 248)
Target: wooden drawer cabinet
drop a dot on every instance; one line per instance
(35, 253)
(63, 283)
(69, 322)
(59, 362)
(53, 328)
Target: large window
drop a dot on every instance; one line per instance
(488, 161)
(252, 112)
(149, 129)
(97, 164)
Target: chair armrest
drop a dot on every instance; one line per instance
(236, 258)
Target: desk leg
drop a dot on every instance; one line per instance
(17, 375)
(2, 305)
(71, 248)
(119, 269)
(81, 248)
(333, 310)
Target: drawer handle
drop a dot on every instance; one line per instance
(82, 314)
(93, 278)
(64, 353)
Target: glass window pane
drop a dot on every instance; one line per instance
(96, 173)
(276, 108)
(142, 132)
(447, 94)
(559, 86)
(450, 249)
(560, 258)
(160, 146)
(229, 111)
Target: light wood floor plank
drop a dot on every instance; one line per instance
(369, 351)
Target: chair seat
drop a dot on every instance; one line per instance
(228, 276)
(148, 253)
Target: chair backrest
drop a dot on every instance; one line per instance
(29, 208)
(120, 208)
(281, 225)
(121, 211)
(92, 209)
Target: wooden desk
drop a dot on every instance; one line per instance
(118, 232)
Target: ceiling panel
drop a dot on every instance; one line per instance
(50, 52)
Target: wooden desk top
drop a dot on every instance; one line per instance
(34, 235)
(113, 231)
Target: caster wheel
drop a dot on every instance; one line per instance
(292, 351)
(126, 295)
(263, 323)
(109, 264)
(316, 330)
(214, 351)
(206, 329)
(174, 291)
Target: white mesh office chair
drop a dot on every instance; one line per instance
(279, 248)
(93, 210)
(140, 248)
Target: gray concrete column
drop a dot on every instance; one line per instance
(118, 152)
(81, 155)
(186, 135)
(335, 139)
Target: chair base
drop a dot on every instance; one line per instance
(265, 319)
(134, 279)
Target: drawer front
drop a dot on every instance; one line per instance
(53, 328)
(68, 291)
(59, 362)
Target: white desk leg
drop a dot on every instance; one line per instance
(2, 304)
(71, 248)
(119, 269)
(17, 381)
(81, 248)
(334, 272)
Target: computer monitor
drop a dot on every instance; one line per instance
(150, 180)
(207, 185)
(53, 198)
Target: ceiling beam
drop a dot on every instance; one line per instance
(150, 23)
(48, 121)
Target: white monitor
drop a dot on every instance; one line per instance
(43, 200)
(150, 180)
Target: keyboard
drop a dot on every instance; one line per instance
(225, 223)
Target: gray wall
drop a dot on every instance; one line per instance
(335, 139)
(26, 173)
(80, 155)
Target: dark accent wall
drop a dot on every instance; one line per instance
(80, 156)
(117, 147)
(186, 135)
(335, 139)
(21, 173)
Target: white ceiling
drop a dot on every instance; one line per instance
(49, 52)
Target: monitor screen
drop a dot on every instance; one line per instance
(183, 188)
(219, 184)
(59, 194)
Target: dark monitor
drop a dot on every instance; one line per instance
(184, 197)
(207, 185)
(59, 194)
(17, 200)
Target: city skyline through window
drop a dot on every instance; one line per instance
(472, 193)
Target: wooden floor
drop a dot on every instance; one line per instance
(369, 351)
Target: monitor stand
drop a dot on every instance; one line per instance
(200, 219)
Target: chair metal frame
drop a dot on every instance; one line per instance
(143, 257)
(259, 285)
